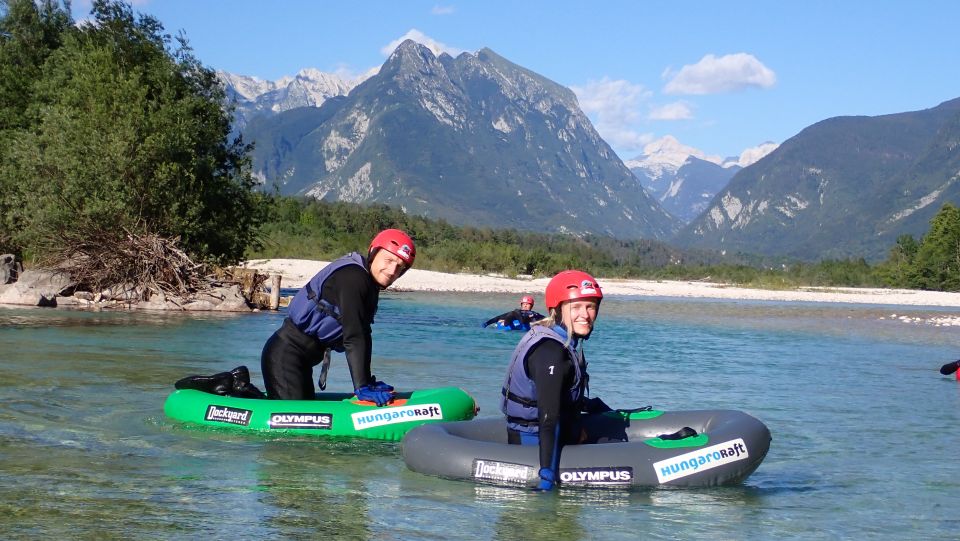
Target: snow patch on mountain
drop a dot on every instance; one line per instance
(667, 155)
(684, 179)
(308, 88)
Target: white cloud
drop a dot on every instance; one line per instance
(347, 73)
(752, 155)
(678, 110)
(715, 74)
(614, 107)
(442, 10)
(435, 46)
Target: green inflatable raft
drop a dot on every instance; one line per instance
(329, 415)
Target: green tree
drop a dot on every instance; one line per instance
(29, 32)
(133, 137)
(897, 270)
(937, 262)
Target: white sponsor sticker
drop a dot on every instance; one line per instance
(397, 414)
(226, 414)
(700, 460)
(621, 475)
(501, 471)
(301, 420)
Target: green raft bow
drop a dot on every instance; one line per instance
(330, 414)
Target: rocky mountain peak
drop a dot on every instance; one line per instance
(473, 139)
(308, 88)
(412, 59)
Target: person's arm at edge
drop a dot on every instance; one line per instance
(352, 286)
(548, 366)
(502, 316)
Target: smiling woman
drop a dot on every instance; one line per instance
(546, 388)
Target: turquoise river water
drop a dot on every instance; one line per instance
(865, 430)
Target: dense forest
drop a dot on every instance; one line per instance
(117, 165)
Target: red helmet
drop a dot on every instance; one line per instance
(527, 299)
(570, 285)
(397, 243)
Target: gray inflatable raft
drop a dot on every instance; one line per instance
(728, 446)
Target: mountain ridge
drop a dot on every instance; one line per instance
(474, 140)
(827, 191)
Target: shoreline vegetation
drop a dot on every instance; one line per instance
(295, 272)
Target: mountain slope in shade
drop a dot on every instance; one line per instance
(844, 187)
(474, 140)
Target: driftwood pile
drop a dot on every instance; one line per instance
(150, 263)
(136, 271)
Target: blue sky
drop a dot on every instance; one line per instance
(718, 76)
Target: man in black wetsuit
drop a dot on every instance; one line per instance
(517, 319)
(334, 311)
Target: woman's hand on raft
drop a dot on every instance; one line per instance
(547, 480)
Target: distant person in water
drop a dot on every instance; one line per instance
(950, 368)
(333, 311)
(520, 318)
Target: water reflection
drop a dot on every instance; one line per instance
(314, 494)
(864, 427)
(542, 517)
(25, 317)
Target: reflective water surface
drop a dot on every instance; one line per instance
(865, 430)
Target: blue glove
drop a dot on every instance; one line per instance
(369, 394)
(379, 385)
(547, 479)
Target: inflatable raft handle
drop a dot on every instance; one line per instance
(634, 410)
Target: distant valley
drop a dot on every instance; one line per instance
(683, 179)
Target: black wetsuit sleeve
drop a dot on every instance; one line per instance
(507, 316)
(528, 316)
(550, 369)
(354, 291)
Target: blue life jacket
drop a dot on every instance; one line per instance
(315, 316)
(523, 324)
(515, 325)
(518, 400)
